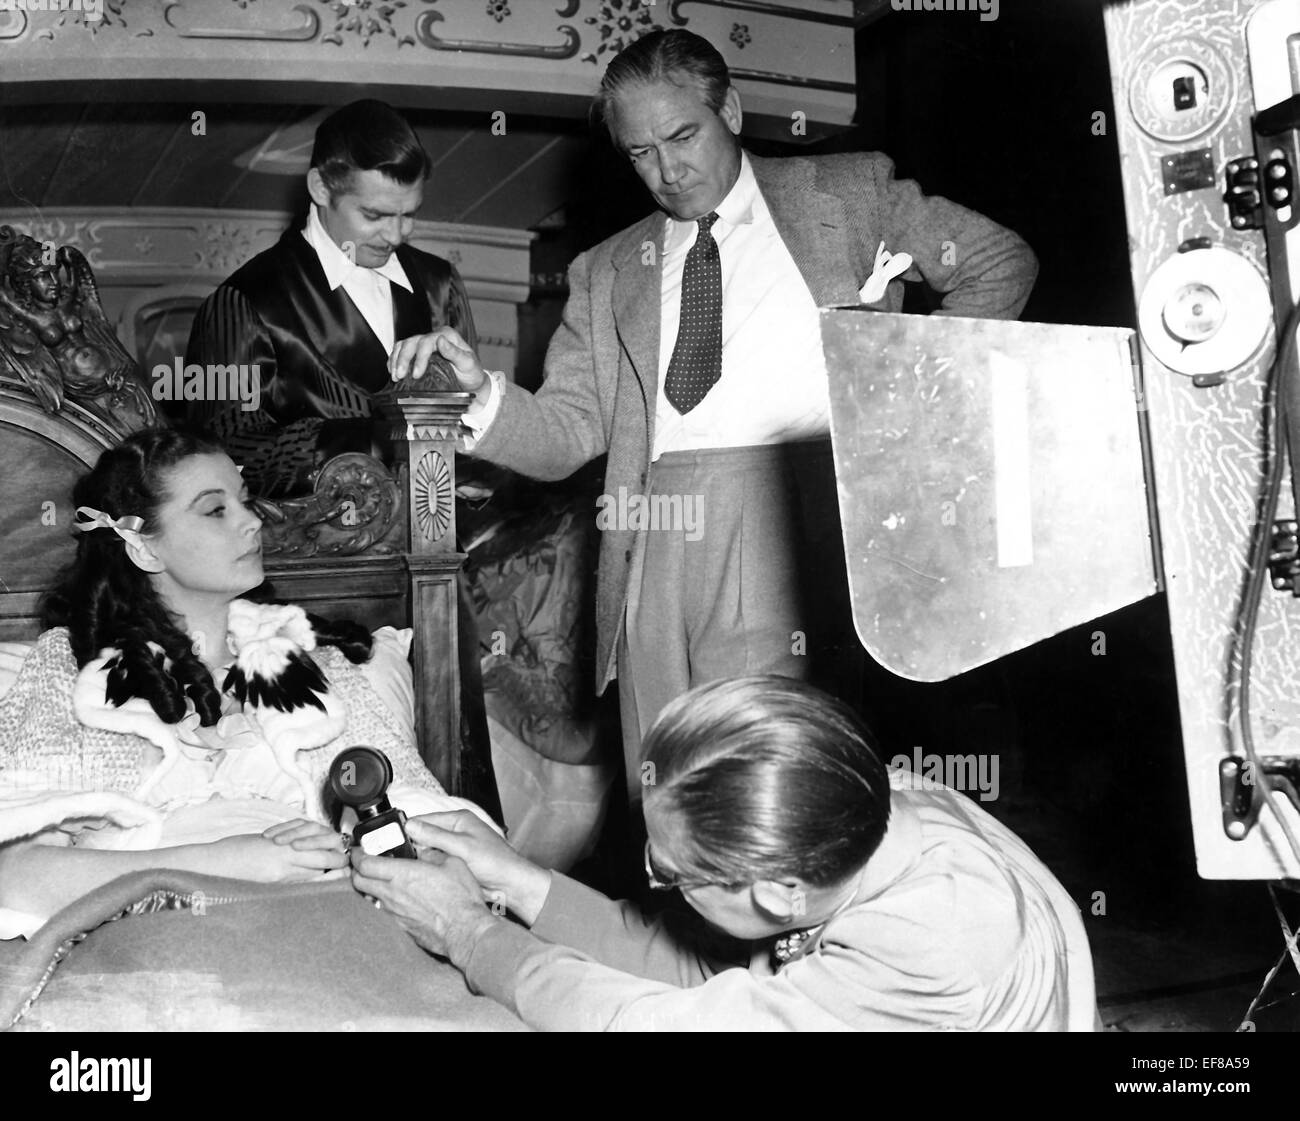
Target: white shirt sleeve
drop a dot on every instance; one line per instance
(477, 420)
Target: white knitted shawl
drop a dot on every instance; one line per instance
(47, 754)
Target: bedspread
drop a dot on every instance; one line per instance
(172, 951)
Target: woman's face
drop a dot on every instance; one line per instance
(209, 541)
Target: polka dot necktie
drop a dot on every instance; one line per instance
(697, 355)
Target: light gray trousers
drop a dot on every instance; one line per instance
(742, 556)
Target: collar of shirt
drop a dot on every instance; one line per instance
(737, 209)
(898, 852)
(338, 266)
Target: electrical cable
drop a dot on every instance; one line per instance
(1243, 647)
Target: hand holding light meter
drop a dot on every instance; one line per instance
(360, 777)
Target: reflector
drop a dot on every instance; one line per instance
(991, 482)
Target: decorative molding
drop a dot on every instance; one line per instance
(96, 430)
(307, 28)
(792, 80)
(423, 414)
(437, 430)
(159, 246)
(619, 24)
(424, 32)
(490, 54)
(110, 16)
(356, 508)
(432, 496)
(784, 11)
(144, 256)
(228, 244)
(364, 20)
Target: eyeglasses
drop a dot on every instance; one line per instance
(667, 883)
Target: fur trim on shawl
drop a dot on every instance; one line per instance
(46, 751)
(285, 697)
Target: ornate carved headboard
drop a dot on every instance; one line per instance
(41, 454)
(375, 542)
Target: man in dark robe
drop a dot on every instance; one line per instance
(317, 314)
(319, 311)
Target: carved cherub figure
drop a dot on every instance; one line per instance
(54, 334)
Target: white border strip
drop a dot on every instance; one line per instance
(1013, 507)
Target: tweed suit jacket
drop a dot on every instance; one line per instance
(602, 366)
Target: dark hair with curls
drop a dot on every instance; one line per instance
(368, 135)
(672, 55)
(769, 779)
(105, 600)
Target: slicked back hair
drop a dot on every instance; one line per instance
(767, 778)
(674, 55)
(367, 135)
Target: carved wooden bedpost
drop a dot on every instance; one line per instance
(424, 427)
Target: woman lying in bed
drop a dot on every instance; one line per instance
(162, 721)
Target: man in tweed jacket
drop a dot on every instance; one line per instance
(681, 604)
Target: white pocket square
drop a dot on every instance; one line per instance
(888, 266)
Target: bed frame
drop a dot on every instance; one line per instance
(375, 542)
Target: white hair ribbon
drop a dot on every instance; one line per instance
(127, 528)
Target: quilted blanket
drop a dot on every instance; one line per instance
(171, 951)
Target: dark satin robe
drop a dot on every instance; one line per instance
(319, 361)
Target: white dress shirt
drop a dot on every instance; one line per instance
(367, 288)
(773, 387)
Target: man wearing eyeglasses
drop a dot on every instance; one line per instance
(866, 899)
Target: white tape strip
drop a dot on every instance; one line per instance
(1013, 511)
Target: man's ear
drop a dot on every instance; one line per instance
(731, 112)
(141, 555)
(784, 902)
(320, 194)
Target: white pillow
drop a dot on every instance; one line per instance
(11, 661)
(389, 674)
